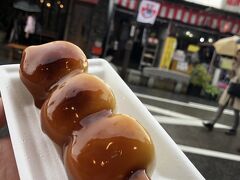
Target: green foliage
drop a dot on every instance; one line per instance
(212, 90)
(200, 76)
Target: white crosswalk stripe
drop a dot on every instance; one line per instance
(179, 118)
(168, 112)
(210, 153)
(189, 104)
(186, 122)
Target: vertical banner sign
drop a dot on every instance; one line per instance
(148, 11)
(169, 48)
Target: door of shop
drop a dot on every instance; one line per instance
(80, 24)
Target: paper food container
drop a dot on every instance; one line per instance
(38, 157)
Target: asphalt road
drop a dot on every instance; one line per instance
(213, 153)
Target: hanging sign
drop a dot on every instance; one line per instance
(148, 11)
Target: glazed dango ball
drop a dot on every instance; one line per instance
(77, 113)
(44, 65)
(112, 148)
(73, 100)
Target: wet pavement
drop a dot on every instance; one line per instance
(213, 153)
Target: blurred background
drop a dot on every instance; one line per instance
(168, 54)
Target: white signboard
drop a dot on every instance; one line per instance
(148, 11)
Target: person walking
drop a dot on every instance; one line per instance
(227, 99)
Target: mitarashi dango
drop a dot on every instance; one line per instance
(114, 147)
(44, 65)
(77, 113)
(74, 99)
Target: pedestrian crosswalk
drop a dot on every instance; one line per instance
(204, 148)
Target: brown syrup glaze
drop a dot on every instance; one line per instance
(111, 148)
(74, 99)
(44, 65)
(77, 113)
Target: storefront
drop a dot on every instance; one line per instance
(106, 27)
(87, 25)
(123, 22)
(191, 25)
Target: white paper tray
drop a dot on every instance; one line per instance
(37, 157)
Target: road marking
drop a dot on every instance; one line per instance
(168, 112)
(160, 99)
(210, 153)
(185, 122)
(179, 118)
(209, 108)
(189, 104)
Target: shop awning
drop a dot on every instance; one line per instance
(192, 16)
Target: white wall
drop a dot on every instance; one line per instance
(219, 4)
(211, 3)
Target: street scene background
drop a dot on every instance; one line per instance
(176, 56)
